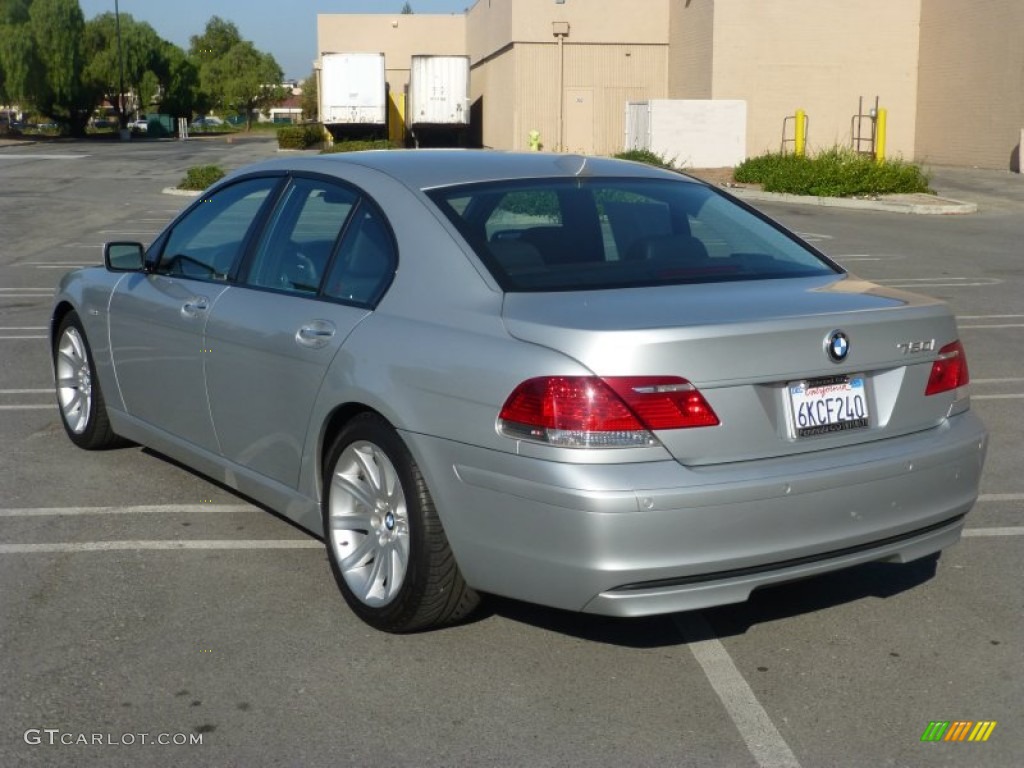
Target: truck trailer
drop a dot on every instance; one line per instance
(437, 108)
(353, 94)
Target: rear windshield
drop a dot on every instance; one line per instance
(584, 234)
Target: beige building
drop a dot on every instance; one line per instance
(949, 75)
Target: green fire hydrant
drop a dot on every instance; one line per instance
(535, 141)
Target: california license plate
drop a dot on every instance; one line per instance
(829, 404)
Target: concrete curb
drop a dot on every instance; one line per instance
(912, 204)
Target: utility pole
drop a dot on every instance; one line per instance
(120, 63)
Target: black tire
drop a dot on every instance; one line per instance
(83, 411)
(431, 592)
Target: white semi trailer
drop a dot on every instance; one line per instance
(437, 109)
(353, 94)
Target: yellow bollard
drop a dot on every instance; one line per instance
(800, 135)
(880, 125)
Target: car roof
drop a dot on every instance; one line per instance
(431, 168)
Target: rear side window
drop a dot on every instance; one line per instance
(295, 249)
(583, 234)
(366, 260)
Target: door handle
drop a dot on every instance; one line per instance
(195, 306)
(315, 334)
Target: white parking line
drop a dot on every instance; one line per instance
(25, 391)
(28, 407)
(12, 338)
(1001, 497)
(1011, 531)
(986, 317)
(23, 328)
(141, 509)
(1001, 325)
(759, 733)
(996, 381)
(938, 282)
(116, 546)
(27, 156)
(997, 397)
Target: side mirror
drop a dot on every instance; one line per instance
(124, 257)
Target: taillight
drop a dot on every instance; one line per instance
(949, 371)
(611, 412)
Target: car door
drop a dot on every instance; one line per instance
(157, 318)
(317, 271)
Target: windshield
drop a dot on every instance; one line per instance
(585, 234)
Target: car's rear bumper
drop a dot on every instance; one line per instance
(656, 537)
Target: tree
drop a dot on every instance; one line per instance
(310, 98)
(180, 81)
(243, 80)
(56, 87)
(407, 8)
(141, 52)
(19, 66)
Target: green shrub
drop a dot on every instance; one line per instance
(836, 172)
(646, 156)
(359, 146)
(199, 177)
(300, 136)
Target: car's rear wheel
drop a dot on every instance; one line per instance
(82, 409)
(385, 542)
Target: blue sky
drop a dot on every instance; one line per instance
(286, 29)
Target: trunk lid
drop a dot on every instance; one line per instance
(745, 344)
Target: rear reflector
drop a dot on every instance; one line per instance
(613, 412)
(949, 371)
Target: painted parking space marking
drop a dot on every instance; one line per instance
(142, 509)
(121, 546)
(814, 237)
(25, 391)
(13, 338)
(938, 282)
(28, 407)
(1015, 396)
(759, 733)
(39, 156)
(996, 497)
(1006, 531)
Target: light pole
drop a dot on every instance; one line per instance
(120, 64)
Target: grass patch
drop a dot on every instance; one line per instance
(648, 157)
(199, 177)
(836, 172)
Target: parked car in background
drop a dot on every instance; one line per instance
(581, 382)
(206, 121)
(139, 124)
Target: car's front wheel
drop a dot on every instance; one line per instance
(385, 542)
(82, 410)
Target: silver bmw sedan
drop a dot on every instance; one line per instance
(581, 382)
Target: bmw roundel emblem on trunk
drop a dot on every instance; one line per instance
(837, 346)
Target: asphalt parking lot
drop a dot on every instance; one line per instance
(142, 604)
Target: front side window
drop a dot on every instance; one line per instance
(206, 243)
(592, 233)
(295, 250)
